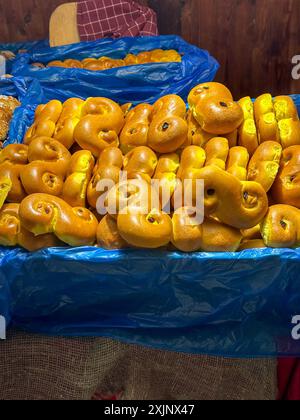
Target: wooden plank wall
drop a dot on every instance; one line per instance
(254, 40)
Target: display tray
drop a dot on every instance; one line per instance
(142, 83)
(231, 304)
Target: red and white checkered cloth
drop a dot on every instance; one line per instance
(114, 19)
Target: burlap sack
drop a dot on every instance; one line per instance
(41, 368)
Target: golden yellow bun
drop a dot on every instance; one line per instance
(232, 138)
(248, 135)
(187, 231)
(151, 231)
(131, 60)
(196, 136)
(100, 126)
(281, 227)
(78, 177)
(144, 57)
(217, 150)
(5, 187)
(13, 159)
(135, 131)
(166, 174)
(264, 165)
(137, 195)
(248, 107)
(237, 162)
(70, 117)
(73, 64)
(44, 125)
(268, 129)
(192, 159)
(285, 108)
(13, 234)
(289, 131)
(238, 204)
(286, 188)
(218, 115)
(163, 56)
(48, 165)
(108, 167)
(252, 244)
(251, 234)
(168, 130)
(208, 90)
(263, 105)
(42, 213)
(217, 237)
(126, 108)
(108, 236)
(56, 63)
(210, 236)
(140, 160)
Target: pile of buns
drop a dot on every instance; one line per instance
(8, 104)
(106, 63)
(247, 154)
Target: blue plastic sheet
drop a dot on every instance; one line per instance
(143, 83)
(231, 304)
(237, 305)
(22, 46)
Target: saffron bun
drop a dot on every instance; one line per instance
(168, 129)
(217, 151)
(47, 168)
(265, 118)
(191, 235)
(42, 214)
(78, 177)
(237, 162)
(135, 196)
(289, 132)
(285, 108)
(252, 244)
(196, 136)
(5, 187)
(241, 205)
(108, 236)
(286, 188)
(136, 128)
(193, 159)
(12, 233)
(248, 134)
(264, 165)
(99, 128)
(218, 115)
(70, 117)
(152, 230)
(166, 176)
(13, 158)
(140, 160)
(108, 167)
(208, 90)
(281, 227)
(251, 234)
(46, 117)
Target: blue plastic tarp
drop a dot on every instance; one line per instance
(230, 304)
(143, 83)
(237, 305)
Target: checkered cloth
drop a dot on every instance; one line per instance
(114, 19)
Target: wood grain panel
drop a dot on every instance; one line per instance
(254, 40)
